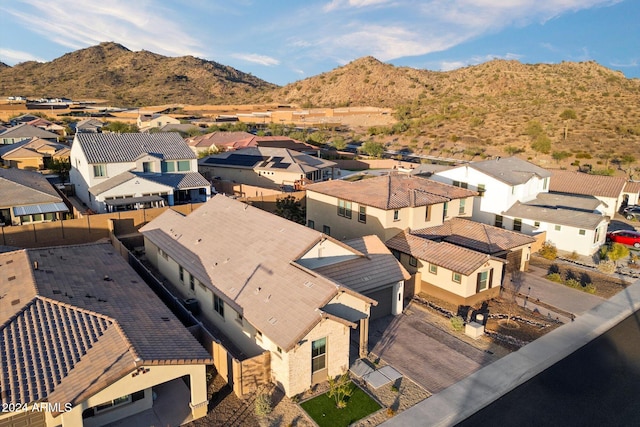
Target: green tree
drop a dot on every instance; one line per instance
(617, 251)
(62, 168)
(542, 144)
(290, 208)
(318, 138)
(512, 151)
(120, 127)
(373, 149)
(558, 156)
(567, 115)
(340, 388)
(339, 143)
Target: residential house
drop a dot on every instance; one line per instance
(181, 128)
(220, 141)
(47, 125)
(148, 121)
(85, 342)
(269, 284)
(34, 154)
(89, 126)
(514, 194)
(25, 131)
(615, 192)
(288, 143)
(27, 197)
(267, 167)
(447, 271)
(113, 172)
(384, 205)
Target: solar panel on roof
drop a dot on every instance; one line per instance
(281, 165)
(236, 160)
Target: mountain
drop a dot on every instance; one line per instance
(111, 71)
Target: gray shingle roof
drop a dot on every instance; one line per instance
(66, 333)
(20, 187)
(247, 256)
(511, 170)
(127, 147)
(559, 200)
(173, 180)
(25, 130)
(392, 191)
(572, 218)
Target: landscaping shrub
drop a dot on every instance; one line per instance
(555, 277)
(457, 322)
(548, 250)
(263, 405)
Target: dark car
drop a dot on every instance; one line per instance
(632, 212)
(626, 237)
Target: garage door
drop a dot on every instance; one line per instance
(385, 301)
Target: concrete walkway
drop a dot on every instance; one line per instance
(478, 390)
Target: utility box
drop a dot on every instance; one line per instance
(474, 330)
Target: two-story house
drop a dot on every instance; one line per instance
(269, 284)
(25, 131)
(384, 205)
(148, 121)
(514, 194)
(113, 172)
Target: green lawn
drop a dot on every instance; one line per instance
(324, 412)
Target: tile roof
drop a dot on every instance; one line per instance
(475, 235)
(377, 269)
(127, 147)
(25, 130)
(443, 254)
(231, 139)
(632, 187)
(36, 147)
(560, 216)
(172, 180)
(248, 257)
(510, 170)
(284, 142)
(559, 200)
(267, 159)
(20, 187)
(75, 319)
(392, 191)
(583, 183)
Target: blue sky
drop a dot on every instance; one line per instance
(282, 41)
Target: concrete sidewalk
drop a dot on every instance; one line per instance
(478, 390)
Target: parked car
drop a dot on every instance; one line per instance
(626, 237)
(632, 212)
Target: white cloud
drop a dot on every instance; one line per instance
(135, 24)
(633, 62)
(12, 57)
(257, 59)
(474, 60)
(341, 4)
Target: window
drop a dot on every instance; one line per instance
(239, 317)
(517, 224)
(433, 269)
(463, 202)
(413, 261)
(37, 217)
(113, 403)
(99, 171)
(481, 190)
(318, 355)
(456, 277)
(326, 230)
(25, 219)
(168, 166)
(362, 214)
(483, 280)
(582, 232)
(545, 183)
(181, 273)
(218, 305)
(258, 335)
(396, 215)
(427, 214)
(49, 217)
(184, 165)
(191, 282)
(536, 224)
(344, 208)
(147, 167)
(498, 221)
(396, 254)
(513, 190)
(558, 228)
(445, 210)
(311, 224)
(163, 254)
(460, 184)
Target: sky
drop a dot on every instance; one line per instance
(283, 41)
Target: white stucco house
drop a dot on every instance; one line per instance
(114, 172)
(269, 284)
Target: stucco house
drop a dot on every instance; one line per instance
(85, 343)
(269, 284)
(89, 126)
(113, 172)
(219, 142)
(450, 272)
(25, 131)
(267, 167)
(384, 205)
(148, 121)
(27, 198)
(34, 154)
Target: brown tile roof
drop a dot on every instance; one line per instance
(376, 269)
(248, 257)
(582, 183)
(632, 187)
(66, 332)
(231, 140)
(475, 235)
(443, 254)
(392, 191)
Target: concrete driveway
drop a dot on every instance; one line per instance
(426, 354)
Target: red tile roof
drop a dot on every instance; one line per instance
(582, 183)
